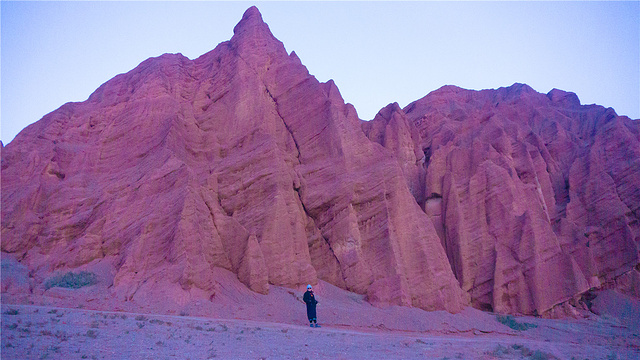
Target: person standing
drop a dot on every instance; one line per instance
(310, 299)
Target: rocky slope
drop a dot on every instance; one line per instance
(238, 159)
(505, 199)
(536, 199)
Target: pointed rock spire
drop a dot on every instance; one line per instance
(252, 22)
(250, 18)
(253, 39)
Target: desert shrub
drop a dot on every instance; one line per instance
(61, 336)
(53, 348)
(541, 355)
(500, 351)
(518, 351)
(11, 312)
(509, 321)
(71, 280)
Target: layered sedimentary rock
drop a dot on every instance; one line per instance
(238, 159)
(508, 200)
(391, 129)
(535, 197)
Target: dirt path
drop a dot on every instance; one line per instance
(41, 332)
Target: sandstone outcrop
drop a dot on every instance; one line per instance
(535, 197)
(391, 129)
(508, 200)
(239, 160)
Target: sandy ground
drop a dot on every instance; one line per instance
(46, 332)
(39, 332)
(94, 323)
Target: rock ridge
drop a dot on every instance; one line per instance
(239, 160)
(507, 200)
(525, 184)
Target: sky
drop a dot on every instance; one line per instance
(376, 52)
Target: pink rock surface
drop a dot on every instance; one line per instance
(241, 161)
(538, 196)
(391, 129)
(238, 160)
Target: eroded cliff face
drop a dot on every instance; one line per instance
(238, 159)
(536, 199)
(508, 200)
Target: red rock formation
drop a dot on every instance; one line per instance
(538, 196)
(391, 129)
(241, 160)
(238, 159)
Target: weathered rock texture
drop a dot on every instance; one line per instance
(535, 198)
(238, 159)
(241, 160)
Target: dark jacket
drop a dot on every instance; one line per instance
(310, 299)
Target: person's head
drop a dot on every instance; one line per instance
(309, 287)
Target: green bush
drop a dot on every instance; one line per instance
(11, 312)
(517, 351)
(512, 323)
(71, 280)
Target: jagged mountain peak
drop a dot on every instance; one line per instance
(238, 160)
(251, 26)
(251, 17)
(243, 161)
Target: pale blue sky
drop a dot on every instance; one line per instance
(377, 52)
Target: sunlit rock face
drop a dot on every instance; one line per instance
(239, 160)
(535, 198)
